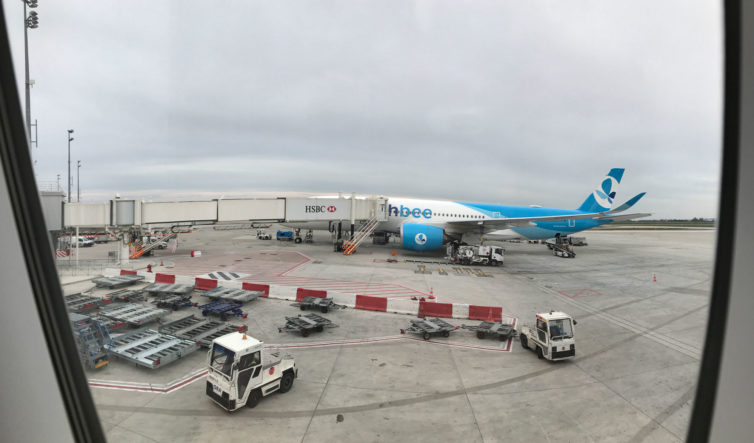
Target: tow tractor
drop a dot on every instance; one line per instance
(475, 254)
(263, 235)
(552, 336)
(241, 371)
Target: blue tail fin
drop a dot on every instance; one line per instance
(601, 199)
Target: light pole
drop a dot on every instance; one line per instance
(70, 139)
(78, 181)
(30, 21)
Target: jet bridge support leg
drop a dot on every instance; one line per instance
(125, 252)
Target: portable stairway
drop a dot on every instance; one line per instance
(141, 249)
(349, 247)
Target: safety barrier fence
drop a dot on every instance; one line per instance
(420, 308)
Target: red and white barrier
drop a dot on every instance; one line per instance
(356, 301)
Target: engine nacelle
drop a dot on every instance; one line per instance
(417, 237)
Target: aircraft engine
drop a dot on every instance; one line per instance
(418, 237)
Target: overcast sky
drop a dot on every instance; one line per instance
(493, 101)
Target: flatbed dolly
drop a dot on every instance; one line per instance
(133, 314)
(81, 303)
(430, 326)
(230, 294)
(306, 323)
(117, 281)
(223, 309)
(502, 330)
(149, 348)
(198, 329)
(165, 289)
(323, 304)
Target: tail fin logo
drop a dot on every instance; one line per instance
(605, 194)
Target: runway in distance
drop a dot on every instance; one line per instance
(426, 225)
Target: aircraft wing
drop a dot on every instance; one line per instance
(496, 224)
(624, 217)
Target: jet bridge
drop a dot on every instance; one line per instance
(134, 219)
(126, 214)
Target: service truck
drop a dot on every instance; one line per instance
(475, 254)
(552, 336)
(241, 371)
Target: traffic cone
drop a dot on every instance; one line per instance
(489, 317)
(654, 278)
(431, 294)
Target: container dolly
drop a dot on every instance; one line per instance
(81, 303)
(306, 323)
(323, 304)
(165, 289)
(501, 330)
(133, 314)
(222, 308)
(430, 326)
(117, 281)
(126, 295)
(174, 302)
(234, 295)
(149, 348)
(199, 329)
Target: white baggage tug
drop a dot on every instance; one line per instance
(241, 371)
(552, 337)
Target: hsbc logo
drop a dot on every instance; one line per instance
(317, 209)
(331, 208)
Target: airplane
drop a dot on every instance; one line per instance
(427, 225)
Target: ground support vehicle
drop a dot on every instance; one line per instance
(561, 247)
(234, 295)
(429, 327)
(501, 330)
(322, 304)
(174, 302)
(149, 348)
(133, 314)
(552, 336)
(475, 254)
(118, 281)
(126, 295)
(263, 235)
(305, 324)
(240, 371)
(165, 289)
(82, 303)
(284, 235)
(91, 337)
(198, 329)
(577, 241)
(223, 309)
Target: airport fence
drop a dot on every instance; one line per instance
(70, 266)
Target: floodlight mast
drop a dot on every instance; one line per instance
(70, 139)
(31, 21)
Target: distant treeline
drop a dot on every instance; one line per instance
(694, 222)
